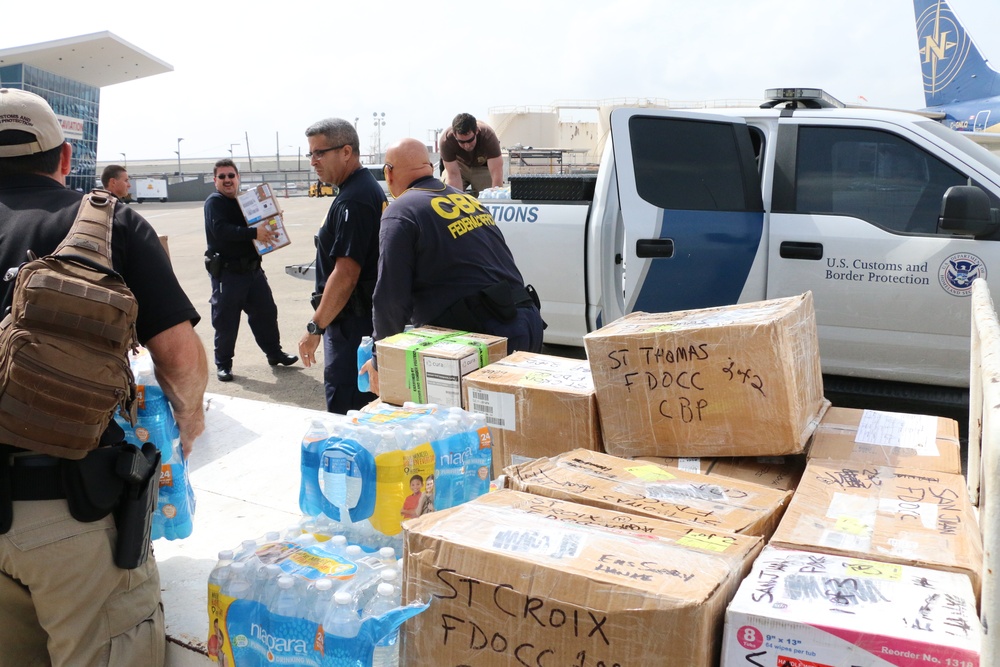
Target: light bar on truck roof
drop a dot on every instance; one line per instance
(811, 98)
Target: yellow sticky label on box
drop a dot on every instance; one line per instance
(650, 473)
(874, 569)
(706, 541)
(851, 525)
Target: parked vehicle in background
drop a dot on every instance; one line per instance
(148, 189)
(320, 189)
(886, 216)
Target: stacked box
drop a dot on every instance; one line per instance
(427, 364)
(647, 489)
(897, 515)
(888, 438)
(515, 579)
(739, 380)
(776, 472)
(261, 208)
(800, 609)
(536, 405)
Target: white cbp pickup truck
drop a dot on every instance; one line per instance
(887, 216)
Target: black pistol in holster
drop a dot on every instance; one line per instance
(140, 470)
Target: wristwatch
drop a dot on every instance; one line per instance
(314, 329)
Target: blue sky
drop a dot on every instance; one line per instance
(268, 73)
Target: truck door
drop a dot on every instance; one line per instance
(691, 209)
(855, 221)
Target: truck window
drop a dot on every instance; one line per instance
(873, 175)
(690, 165)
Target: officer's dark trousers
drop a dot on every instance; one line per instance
(235, 293)
(340, 356)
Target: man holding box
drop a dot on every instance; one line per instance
(238, 281)
(346, 263)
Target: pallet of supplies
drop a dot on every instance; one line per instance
(739, 380)
(516, 579)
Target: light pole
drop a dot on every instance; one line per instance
(356, 123)
(231, 149)
(124, 161)
(178, 151)
(379, 123)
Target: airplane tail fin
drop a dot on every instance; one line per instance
(953, 68)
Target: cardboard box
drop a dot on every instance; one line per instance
(739, 380)
(536, 405)
(647, 489)
(515, 579)
(277, 224)
(260, 207)
(897, 515)
(427, 364)
(888, 438)
(258, 203)
(805, 609)
(776, 472)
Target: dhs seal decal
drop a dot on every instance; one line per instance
(958, 271)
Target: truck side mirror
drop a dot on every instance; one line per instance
(966, 209)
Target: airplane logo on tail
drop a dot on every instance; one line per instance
(958, 81)
(944, 46)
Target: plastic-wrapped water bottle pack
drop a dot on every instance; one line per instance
(306, 598)
(173, 517)
(388, 464)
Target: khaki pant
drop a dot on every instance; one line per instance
(478, 177)
(64, 602)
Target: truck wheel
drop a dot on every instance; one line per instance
(163, 201)
(138, 200)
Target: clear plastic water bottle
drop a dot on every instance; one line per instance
(239, 585)
(267, 584)
(310, 493)
(286, 600)
(322, 600)
(386, 649)
(220, 573)
(342, 620)
(364, 354)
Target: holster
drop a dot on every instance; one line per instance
(213, 264)
(140, 471)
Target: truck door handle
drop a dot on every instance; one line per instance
(654, 248)
(800, 250)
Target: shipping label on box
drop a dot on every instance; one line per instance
(802, 609)
(898, 515)
(258, 203)
(647, 489)
(515, 579)
(888, 438)
(277, 224)
(739, 380)
(537, 405)
(427, 364)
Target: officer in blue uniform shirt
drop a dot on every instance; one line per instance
(444, 262)
(239, 284)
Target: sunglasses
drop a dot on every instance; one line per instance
(225, 177)
(320, 152)
(467, 141)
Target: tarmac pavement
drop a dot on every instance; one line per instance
(183, 224)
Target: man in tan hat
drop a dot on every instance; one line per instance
(63, 601)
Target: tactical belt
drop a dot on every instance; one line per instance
(36, 477)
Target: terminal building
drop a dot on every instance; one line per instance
(69, 73)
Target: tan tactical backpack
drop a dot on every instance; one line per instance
(64, 367)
